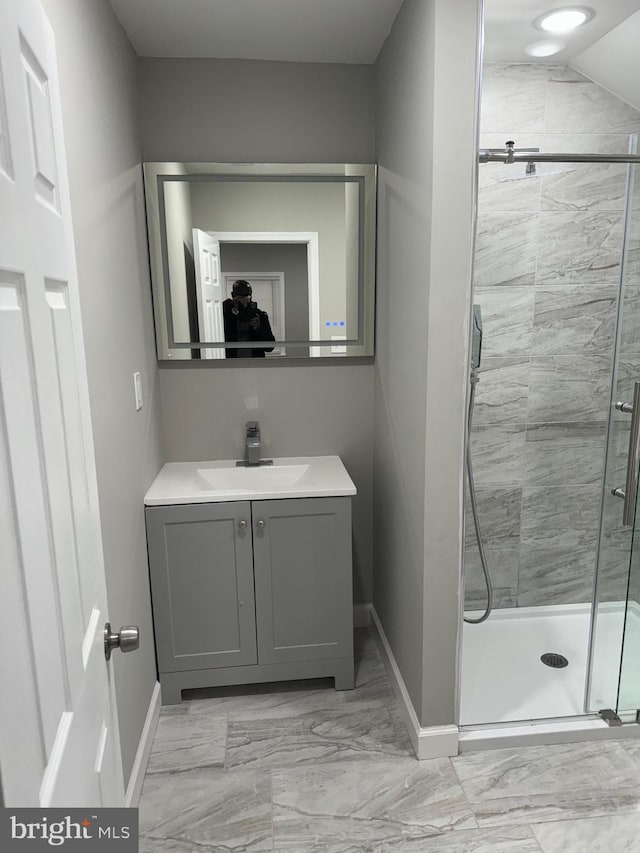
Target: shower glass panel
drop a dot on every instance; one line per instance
(561, 345)
(614, 677)
(547, 276)
(547, 279)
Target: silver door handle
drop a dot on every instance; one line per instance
(633, 456)
(242, 525)
(260, 525)
(127, 639)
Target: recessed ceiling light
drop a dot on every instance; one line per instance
(545, 48)
(564, 20)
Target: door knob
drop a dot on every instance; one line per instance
(127, 639)
(242, 525)
(260, 525)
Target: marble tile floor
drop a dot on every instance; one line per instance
(302, 768)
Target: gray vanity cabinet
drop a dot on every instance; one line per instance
(247, 592)
(302, 561)
(200, 557)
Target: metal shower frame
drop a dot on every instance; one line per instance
(510, 154)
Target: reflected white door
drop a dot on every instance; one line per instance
(206, 250)
(59, 742)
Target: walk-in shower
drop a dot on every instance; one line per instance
(557, 284)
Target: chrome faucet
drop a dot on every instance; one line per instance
(252, 443)
(252, 447)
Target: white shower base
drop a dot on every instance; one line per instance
(504, 682)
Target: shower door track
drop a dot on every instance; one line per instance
(542, 732)
(626, 719)
(493, 155)
(516, 724)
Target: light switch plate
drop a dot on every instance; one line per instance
(137, 384)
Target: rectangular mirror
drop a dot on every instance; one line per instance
(261, 260)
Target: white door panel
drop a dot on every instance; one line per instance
(206, 250)
(59, 741)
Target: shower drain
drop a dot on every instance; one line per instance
(554, 660)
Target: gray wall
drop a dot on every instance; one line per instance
(241, 111)
(547, 277)
(425, 152)
(97, 70)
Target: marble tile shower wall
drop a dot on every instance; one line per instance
(547, 270)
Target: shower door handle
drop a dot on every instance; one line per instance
(631, 484)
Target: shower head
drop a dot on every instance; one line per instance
(476, 337)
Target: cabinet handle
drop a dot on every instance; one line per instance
(242, 525)
(260, 525)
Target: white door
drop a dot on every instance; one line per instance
(206, 250)
(59, 743)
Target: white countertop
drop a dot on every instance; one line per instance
(221, 480)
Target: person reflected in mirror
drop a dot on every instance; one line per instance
(244, 321)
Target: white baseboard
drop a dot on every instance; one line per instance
(144, 748)
(429, 742)
(361, 615)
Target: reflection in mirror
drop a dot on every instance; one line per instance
(245, 322)
(299, 238)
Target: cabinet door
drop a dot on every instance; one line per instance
(302, 562)
(202, 585)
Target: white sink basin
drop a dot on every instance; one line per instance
(221, 480)
(258, 479)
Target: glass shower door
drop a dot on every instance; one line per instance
(614, 671)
